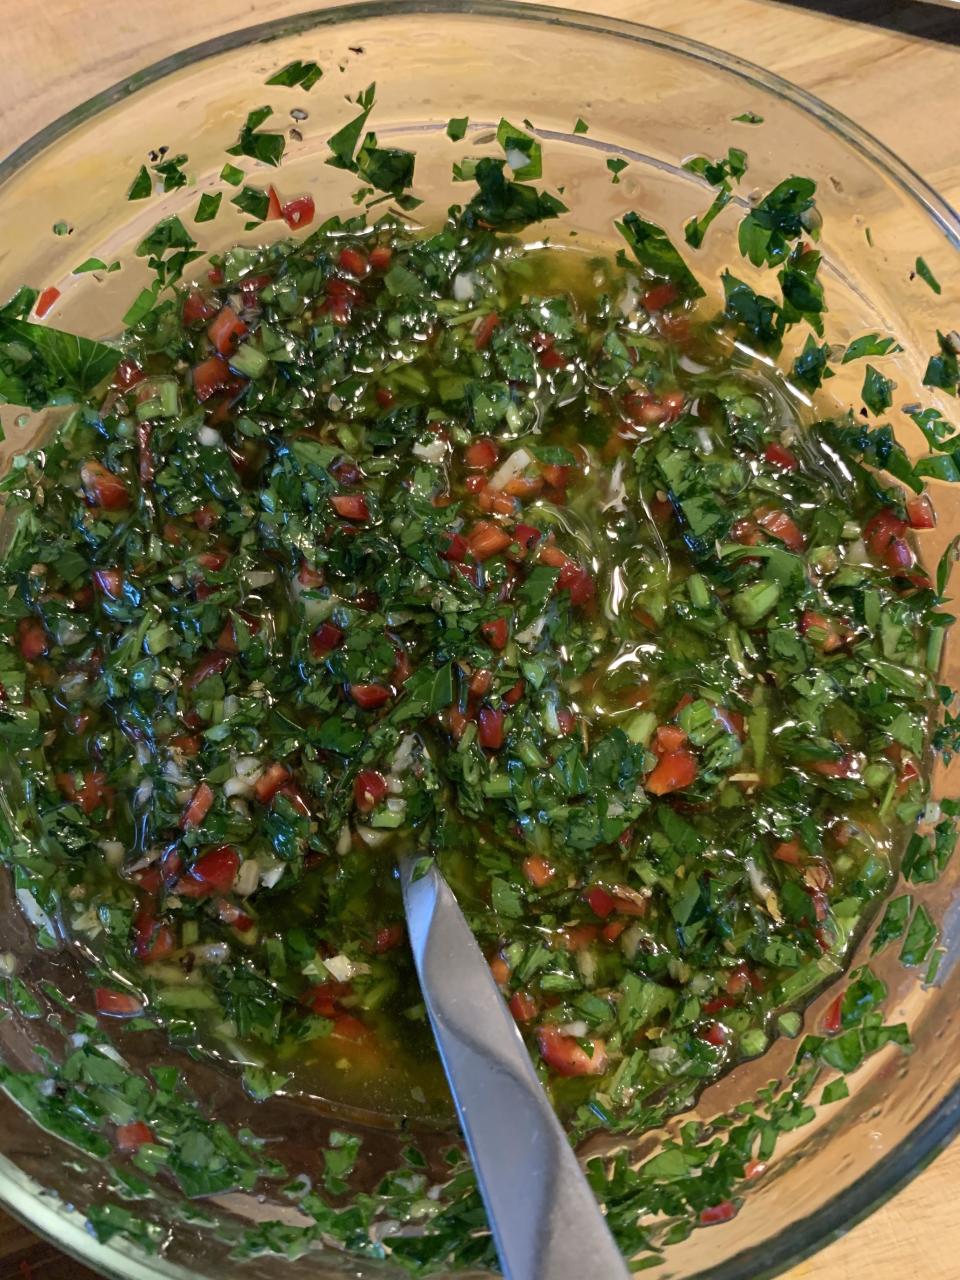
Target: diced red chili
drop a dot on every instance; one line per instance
(599, 901)
(833, 1017)
(274, 205)
(226, 330)
(496, 632)
(482, 454)
(369, 789)
(131, 1137)
(780, 526)
(370, 696)
(128, 374)
(881, 529)
(45, 301)
(566, 720)
(273, 777)
(299, 212)
(659, 296)
(197, 308)
(385, 397)
(388, 938)
(790, 851)
(325, 639)
(669, 737)
(353, 261)
(217, 869)
(198, 806)
(487, 539)
(102, 488)
(351, 506)
(920, 512)
(514, 694)
(109, 581)
(456, 549)
(32, 639)
(485, 330)
(523, 1006)
(380, 257)
(566, 1056)
(674, 771)
(213, 664)
(116, 1004)
(212, 376)
(717, 1213)
(538, 870)
(525, 535)
(490, 728)
(714, 1034)
(779, 455)
(898, 556)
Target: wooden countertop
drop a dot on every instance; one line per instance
(900, 79)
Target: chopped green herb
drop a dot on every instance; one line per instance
(304, 74)
(927, 276)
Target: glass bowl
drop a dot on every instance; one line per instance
(652, 99)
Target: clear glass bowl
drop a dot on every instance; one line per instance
(653, 99)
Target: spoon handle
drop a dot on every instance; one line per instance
(545, 1220)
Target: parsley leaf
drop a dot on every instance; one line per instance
(870, 344)
(94, 264)
(386, 168)
(653, 249)
(877, 391)
(171, 171)
(920, 937)
(925, 274)
(505, 204)
(581, 125)
(142, 185)
(208, 207)
(802, 291)
(41, 366)
(783, 215)
(747, 117)
(943, 370)
(616, 165)
(344, 142)
(937, 431)
(457, 127)
(266, 147)
(230, 173)
(719, 173)
(810, 368)
(304, 74)
(522, 150)
(876, 446)
(168, 248)
(252, 201)
(759, 315)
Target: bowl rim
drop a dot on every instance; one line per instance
(889, 1175)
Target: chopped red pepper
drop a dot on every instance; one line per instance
(369, 789)
(496, 632)
(45, 301)
(116, 1004)
(198, 807)
(370, 696)
(490, 728)
(566, 1056)
(351, 506)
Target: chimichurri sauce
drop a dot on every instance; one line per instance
(385, 543)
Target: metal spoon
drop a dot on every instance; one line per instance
(545, 1220)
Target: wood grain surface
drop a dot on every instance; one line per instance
(894, 66)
